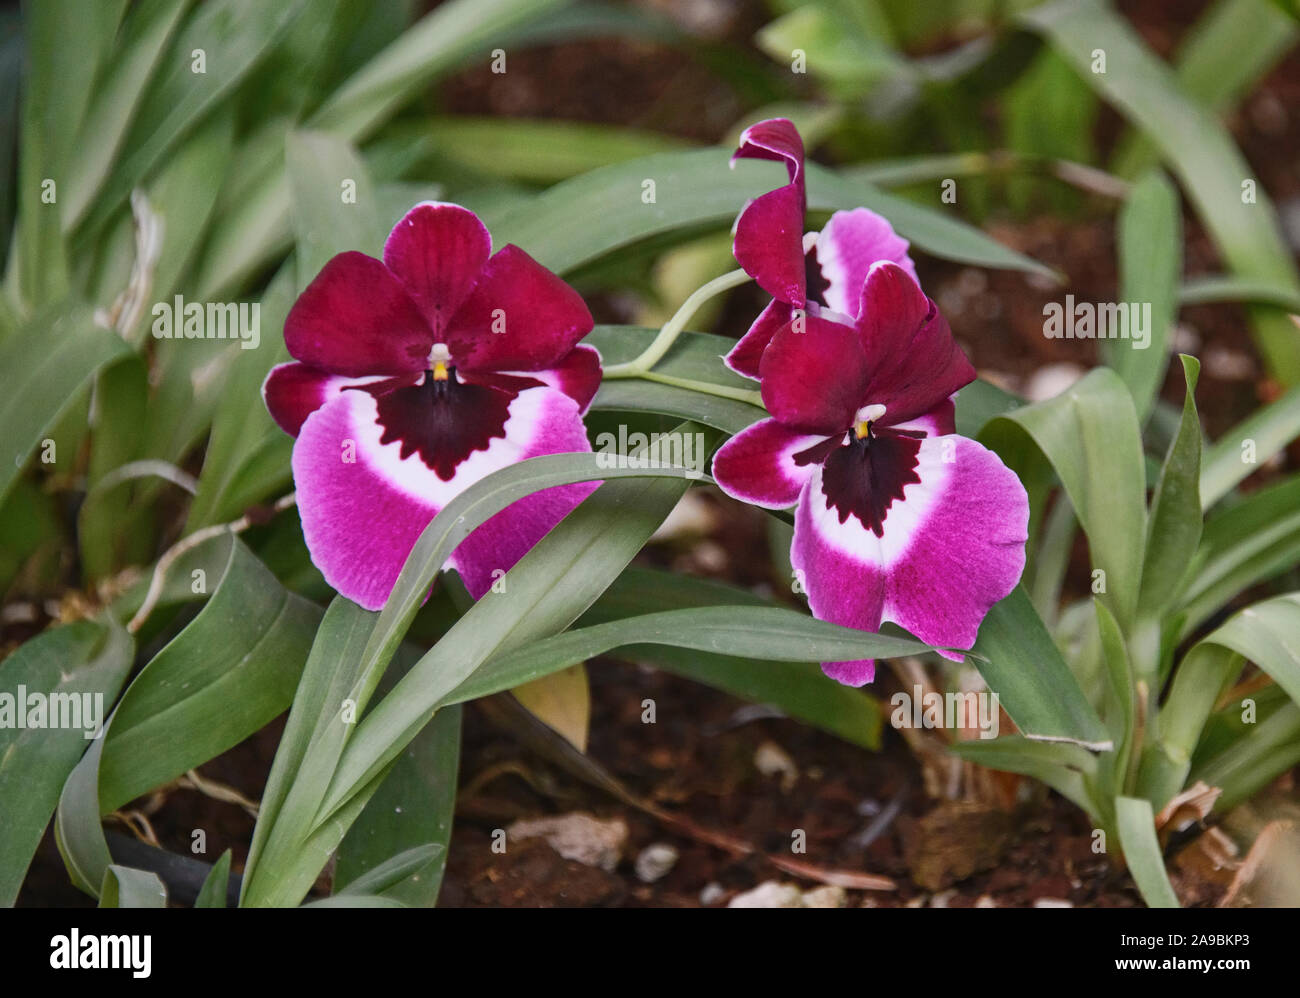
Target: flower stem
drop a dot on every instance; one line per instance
(673, 327)
(706, 388)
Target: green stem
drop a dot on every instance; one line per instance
(674, 326)
(706, 388)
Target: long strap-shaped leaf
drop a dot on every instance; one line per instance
(78, 661)
(337, 768)
(227, 674)
(1243, 223)
(46, 363)
(1267, 634)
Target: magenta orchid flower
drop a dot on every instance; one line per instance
(418, 376)
(898, 518)
(810, 272)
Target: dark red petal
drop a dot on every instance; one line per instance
(292, 392)
(744, 357)
(444, 422)
(760, 464)
(519, 317)
(768, 243)
(814, 380)
(938, 422)
(577, 375)
(866, 476)
(777, 139)
(912, 359)
(355, 318)
(437, 251)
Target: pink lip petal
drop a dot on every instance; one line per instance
(950, 548)
(842, 589)
(758, 465)
(967, 553)
(364, 503)
(847, 247)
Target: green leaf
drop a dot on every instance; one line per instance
(616, 522)
(1239, 452)
(213, 892)
(309, 748)
(771, 634)
(1017, 658)
(1267, 634)
(602, 536)
(324, 223)
(1227, 288)
(66, 43)
(1150, 262)
(1247, 766)
(85, 659)
(1121, 703)
(538, 152)
(124, 887)
(393, 871)
(1065, 768)
(355, 901)
(111, 528)
(800, 689)
(1194, 145)
(935, 232)
(1221, 57)
(979, 402)
(1249, 543)
(230, 672)
(234, 35)
(247, 457)
(848, 62)
(694, 189)
(637, 395)
(694, 358)
(50, 359)
(148, 29)
(1174, 528)
(257, 227)
(1090, 436)
(1137, 836)
(411, 811)
(442, 40)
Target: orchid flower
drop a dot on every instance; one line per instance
(898, 518)
(802, 272)
(417, 376)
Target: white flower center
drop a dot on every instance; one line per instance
(865, 416)
(439, 358)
